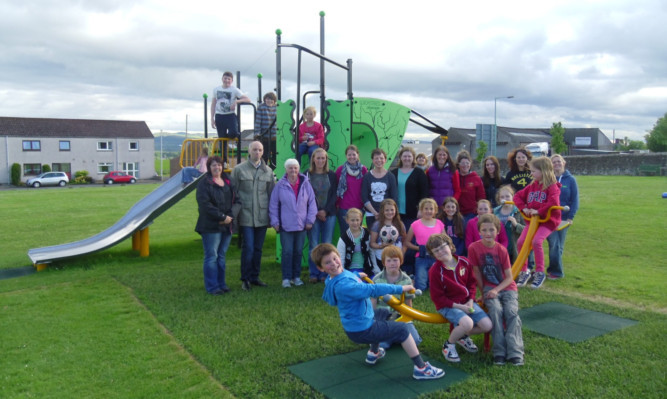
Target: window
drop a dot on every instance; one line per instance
(134, 146)
(104, 145)
(32, 169)
(64, 145)
(131, 168)
(32, 145)
(62, 167)
(105, 167)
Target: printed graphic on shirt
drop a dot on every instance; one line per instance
(490, 270)
(537, 196)
(224, 101)
(378, 191)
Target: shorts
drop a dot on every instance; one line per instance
(455, 315)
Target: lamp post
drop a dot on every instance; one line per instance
(494, 134)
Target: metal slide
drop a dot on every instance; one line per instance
(139, 216)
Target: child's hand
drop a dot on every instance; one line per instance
(408, 288)
(491, 294)
(512, 220)
(362, 275)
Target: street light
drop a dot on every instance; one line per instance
(495, 126)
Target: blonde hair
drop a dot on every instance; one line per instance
(312, 160)
(311, 108)
(354, 211)
(507, 188)
(485, 201)
(544, 165)
(425, 201)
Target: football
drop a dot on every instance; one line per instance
(388, 234)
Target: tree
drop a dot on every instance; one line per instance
(656, 140)
(482, 147)
(631, 145)
(557, 132)
(16, 174)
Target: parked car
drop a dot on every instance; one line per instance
(48, 179)
(118, 177)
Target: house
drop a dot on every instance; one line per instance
(71, 145)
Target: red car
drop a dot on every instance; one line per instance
(118, 177)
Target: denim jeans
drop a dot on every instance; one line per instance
(292, 253)
(422, 266)
(251, 252)
(215, 249)
(190, 174)
(305, 148)
(556, 244)
(342, 224)
(320, 233)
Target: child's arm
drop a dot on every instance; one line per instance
(319, 135)
(478, 277)
(341, 249)
(374, 241)
(502, 238)
(553, 199)
(507, 269)
(471, 232)
(407, 244)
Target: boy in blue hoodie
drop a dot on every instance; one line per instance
(345, 290)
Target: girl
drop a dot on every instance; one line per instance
(377, 185)
(421, 230)
(455, 226)
(311, 133)
(348, 193)
(519, 175)
(388, 216)
(491, 178)
(353, 244)
(472, 188)
(441, 182)
(472, 233)
(536, 199)
(510, 219)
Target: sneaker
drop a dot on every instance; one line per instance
(286, 283)
(499, 360)
(427, 373)
(516, 361)
(449, 351)
(467, 344)
(554, 277)
(372, 358)
(297, 282)
(523, 278)
(245, 285)
(538, 280)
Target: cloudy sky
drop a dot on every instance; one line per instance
(584, 63)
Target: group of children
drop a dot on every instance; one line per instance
(453, 279)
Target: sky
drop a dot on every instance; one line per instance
(583, 63)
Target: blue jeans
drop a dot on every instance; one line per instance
(321, 232)
(422, 266)
(189, 174)
(305, 148)
(342, 224)
(251, 252)
(292, 252)
(384, 314)
(556, 244)
(215, 249)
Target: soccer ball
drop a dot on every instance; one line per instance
(388, 234)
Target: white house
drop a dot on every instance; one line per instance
(71, 145)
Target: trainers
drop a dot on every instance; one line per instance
(523, 278)
(538, 280)
(286, 283)
(552, 276)
(372, 358)
(467, 344)
(499, 360)
(449, 351)
(298, 282)
(516, 361)
(245, 285)
(427, 373)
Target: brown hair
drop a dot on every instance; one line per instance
(271, 96)
(396, 221)
(486, 178)
(320, 251)
(450, 161)
(312, 160)
(489, 218)
(511, 157)
(457, 219)
(437, 240)
(414, 156)
(227, 73)
(392, 251)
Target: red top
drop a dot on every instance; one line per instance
(448, 287)
(533, 197)
(315, 133)
(472, 190)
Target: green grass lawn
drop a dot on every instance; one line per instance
(112, 324)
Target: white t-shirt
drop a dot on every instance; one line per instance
(224, 97)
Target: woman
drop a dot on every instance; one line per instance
(569, 196)
(292, 211)
(441, 176)
(472, 188)
(519, 175)
(215, 197)
(491, 179)
(324, 185)
(350, 175)
(376, 186)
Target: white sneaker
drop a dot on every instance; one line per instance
(450, 353)
(286, 283)
(297, 282)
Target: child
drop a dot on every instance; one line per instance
(388, 217)
(422, 161)
(421, 230)
(472, 235)
(510, 219)
(265, 125)
(311, 133)
(491, 265)
(453, 288)
(223, 108)
(354, 244)
(392, 258)
(190, 173)
(455, 226)
(346, 291)
(536, 199)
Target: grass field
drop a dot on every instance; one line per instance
(112, 324)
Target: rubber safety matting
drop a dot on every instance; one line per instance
(348, 376)
(570, 323)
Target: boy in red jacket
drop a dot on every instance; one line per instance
(453, 287)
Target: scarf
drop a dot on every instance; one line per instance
(347, 169)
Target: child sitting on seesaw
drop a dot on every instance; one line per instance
(491, 265)
(453, 289)
(392, 258)
(345, 290)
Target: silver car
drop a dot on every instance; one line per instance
(48, 179)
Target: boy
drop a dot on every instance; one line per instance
(345, 290)
(491, 265)
(392, 258)
(355, 245)
(453, 288)
(223, 106)
(265, 125)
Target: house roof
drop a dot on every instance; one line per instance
(58, 128)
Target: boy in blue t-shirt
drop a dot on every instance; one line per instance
(346, 291)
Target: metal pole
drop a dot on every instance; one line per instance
(161, 172)
(205, 115)
(322, 79)
(259, 88)
(298, 104)
(494, 132)
(278, 67)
